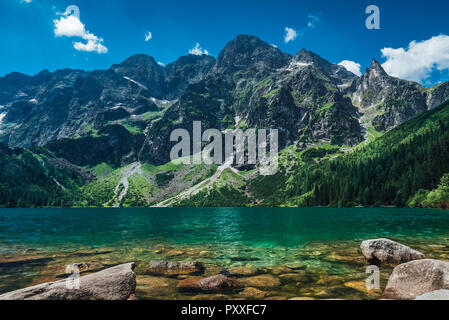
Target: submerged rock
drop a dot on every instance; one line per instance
(435, 295)
(330, 280)
(18, 261)
(253, 293)
(280, 270)
(385, 251)
(56, 272)
(88, 253)
(116, 283)
(277, 298)
(297, 277)
(295, 265)
(416, 278)
(174, 253)
(87, 266)
(215, 283)
(154, 287)
(211, 297)
(167, 268)
(212, 270)
(263, 281)
(362, 287)
(243, 271)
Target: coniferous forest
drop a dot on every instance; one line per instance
(391, 170)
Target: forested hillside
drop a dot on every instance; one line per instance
(388, 171)
(30, 179)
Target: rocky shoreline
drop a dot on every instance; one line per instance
(116, 283)
(414, 276)
(410, 276)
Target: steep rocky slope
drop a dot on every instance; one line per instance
(121, 119)
(255, 85)
(385, 102)
(71, 104)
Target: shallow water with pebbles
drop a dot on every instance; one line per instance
(299, 254)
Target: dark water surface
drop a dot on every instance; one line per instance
(318, 245)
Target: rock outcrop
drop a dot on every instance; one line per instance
(116, 283)
(388, 101)
(415, 278)
(385, 251)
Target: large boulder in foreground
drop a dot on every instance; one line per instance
(435, 295)
(385, 251)
(167, 268)
(116, 283)
(412, 279)
(217, 283)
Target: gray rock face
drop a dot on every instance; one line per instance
(186, 71)
(72, 103)
(385, 251)
(435, 295)
(413, 279)
(252, 84)
(437, 95)
(386, 102)
(338, 74)
(117, 283)
(249, 51)
(173, 268)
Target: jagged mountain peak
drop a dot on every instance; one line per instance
(15, 77)
(247, 50)
(248, 39)
(140, 58)
(336, 72)
(307, 56)
(374, 62)
(251, 79)
(375, 69)
(137, 62)
(144, 70)
(191, 59)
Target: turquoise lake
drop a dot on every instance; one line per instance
(298, 252)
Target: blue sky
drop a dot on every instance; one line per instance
(334, 29)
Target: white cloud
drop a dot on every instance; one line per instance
(313, 20)
(90, 46)
(198, 51)
(351, 66)
(148, 36)
(161, 64)
(71, 26)
(273, 45)
(290, 34)
(419, 60)
(27, 1)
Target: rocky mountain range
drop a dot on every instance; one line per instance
(125, 114)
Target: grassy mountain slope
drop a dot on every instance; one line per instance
(140, 185)
(394, 169)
